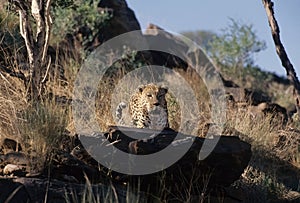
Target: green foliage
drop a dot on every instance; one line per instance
(9, 29)
(233, 52)
(63, 3)
(72, 15)
(236, 46)
(12, 46)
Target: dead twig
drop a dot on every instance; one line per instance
(290, 71)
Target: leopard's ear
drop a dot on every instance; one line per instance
(141, 88)
(164, 89)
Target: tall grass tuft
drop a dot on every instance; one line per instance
(42, 130)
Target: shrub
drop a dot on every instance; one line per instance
(72, 15)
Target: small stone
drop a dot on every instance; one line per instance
(13, 169)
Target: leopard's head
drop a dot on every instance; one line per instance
(153, 97)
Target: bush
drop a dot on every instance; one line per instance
(73, 15)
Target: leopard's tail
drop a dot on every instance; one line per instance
(119, 113)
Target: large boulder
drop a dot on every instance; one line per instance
(224, 165)
(155, 35)
(242, 95)
(123, 20)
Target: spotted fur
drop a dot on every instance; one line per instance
(148, 107)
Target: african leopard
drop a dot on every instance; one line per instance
(147, 107)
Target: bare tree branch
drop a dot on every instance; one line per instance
(26, 32)
(290, 71)
(36, 41)
(48, 23)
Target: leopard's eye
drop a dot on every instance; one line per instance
(149, 95)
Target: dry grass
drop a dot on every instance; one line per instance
(42, 130)
(111, 92)
(12, 99)
(39, 128)
(274, 167)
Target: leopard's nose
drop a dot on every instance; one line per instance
(156, 104)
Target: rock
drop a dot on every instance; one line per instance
(11, 191)
(15, 163)
(272, 111)
(14, 170)
(17, 158)
(123, 20)
(242, 95)
(67, 167)
(275, 110)
(9, 145)
(224, 165)
(155, 35)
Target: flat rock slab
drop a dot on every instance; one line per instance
(227, 158)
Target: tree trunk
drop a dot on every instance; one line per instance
(36, 43)
(290, 71)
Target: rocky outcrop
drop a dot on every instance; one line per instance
(224, 165)
(155, 35)
(242, 95)
(123, 20)
(275, 112)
